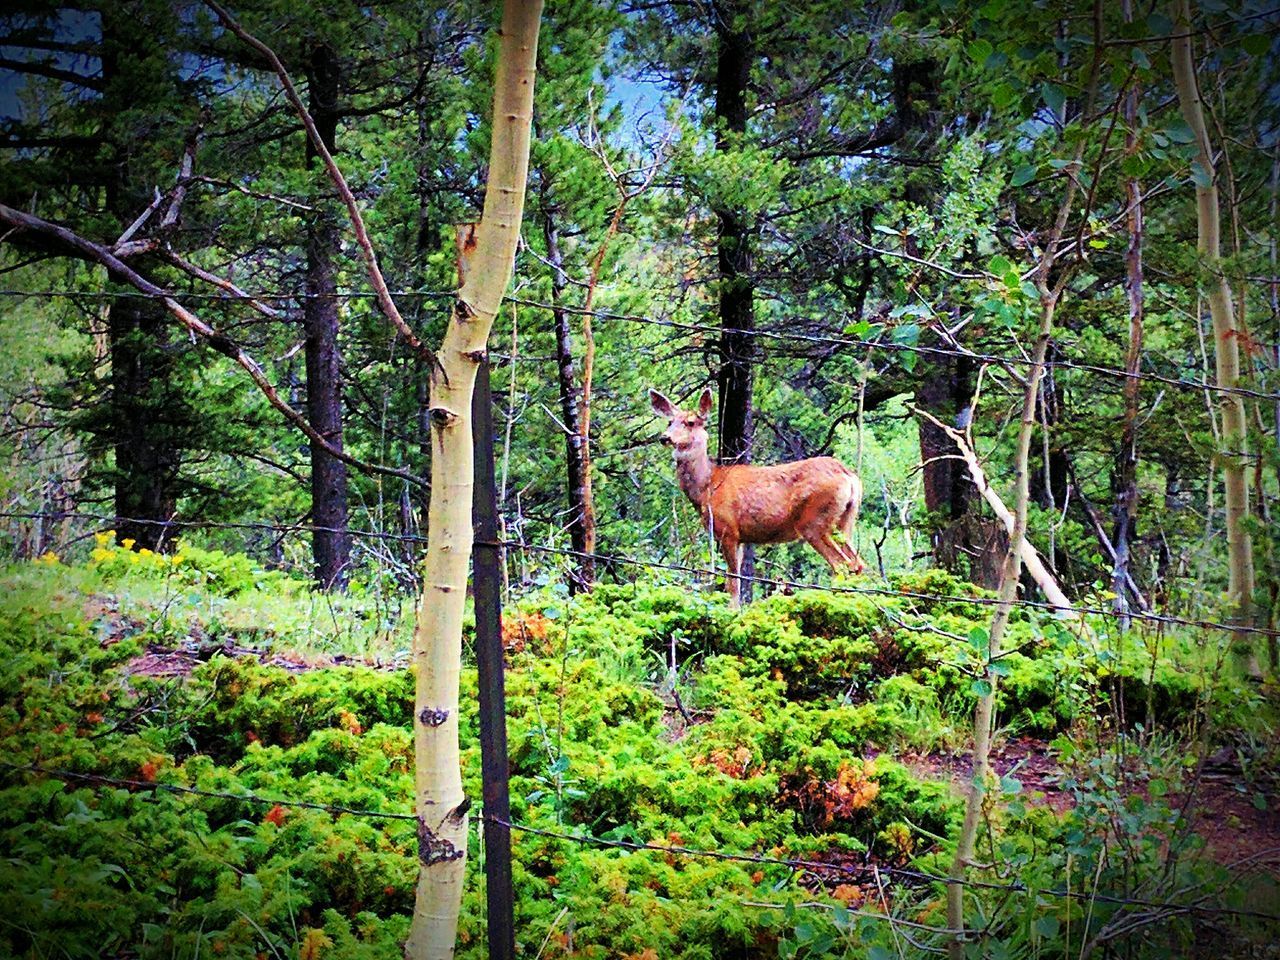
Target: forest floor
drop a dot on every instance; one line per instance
(1234, 827)
(1221, 809)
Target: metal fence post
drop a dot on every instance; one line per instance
(487, 569)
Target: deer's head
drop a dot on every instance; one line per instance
(686, 430)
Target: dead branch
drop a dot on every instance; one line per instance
(1030, 558)
(388, 305)
(71, 242)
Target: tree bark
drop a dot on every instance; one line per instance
(1225, 334)
(582, 572)
(946, 392)
(147, 412)
(486, 257)
(735, 261)
(1125, 474)
(145, 423)
(331, 543)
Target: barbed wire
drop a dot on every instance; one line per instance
(148, 788)
(1117, 373)
(870, 869)
(177, 788)
(776, 582)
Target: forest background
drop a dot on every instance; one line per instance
(835, 214)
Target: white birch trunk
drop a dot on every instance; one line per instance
(485, 262)
(1225, 335)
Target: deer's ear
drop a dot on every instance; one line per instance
(704, 403)
(661, 405)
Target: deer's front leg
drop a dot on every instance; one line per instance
(731, 549)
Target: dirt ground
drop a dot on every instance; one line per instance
(1220, 807)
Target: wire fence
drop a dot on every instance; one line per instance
(105, 521)
(819, 868)
(758, 334)
(823, 871)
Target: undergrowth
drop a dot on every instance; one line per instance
(642, 713)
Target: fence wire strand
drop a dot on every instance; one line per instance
(622, 560)
(690, 327)
(149, 788)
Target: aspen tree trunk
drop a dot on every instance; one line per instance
(486, 254)
(1050, 297)
(984, 711)
(1226, 344)
(1126, 474)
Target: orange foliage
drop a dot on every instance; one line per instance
(850, 894)
(350, 722)
(736, 764)
(823, 802)
(275, 815)
(521, 630)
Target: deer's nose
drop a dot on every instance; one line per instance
(665, 440)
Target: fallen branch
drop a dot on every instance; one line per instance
(1030, 558)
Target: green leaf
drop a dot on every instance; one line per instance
(1159, 24)
(979, 50)
(1140, 58)
(1047, 927)
(1003, 96)
(907, 334)
(1024, 175)
(1010, 785)
(1055, 97)
(1157, 788)
(1179, 132)
(979, 638)
(1200, 175)
(1260, 801)
(999, 265)
(1256, 44)
(981, 688)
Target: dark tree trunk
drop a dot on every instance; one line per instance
(582, 572)
(735, 261)
(148, 415)
(331, 542)
(1050, 478)
(960, 544)
(145, 423)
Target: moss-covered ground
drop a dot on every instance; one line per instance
(823, 727)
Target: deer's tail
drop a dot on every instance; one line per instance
(849, 519)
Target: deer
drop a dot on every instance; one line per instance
(739, 504)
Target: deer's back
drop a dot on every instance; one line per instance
(772, 504)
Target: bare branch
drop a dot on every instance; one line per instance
(42, 69)
(388, 305)
(222, 284)
(71, 242)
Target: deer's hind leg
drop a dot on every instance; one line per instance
(828, 549)
(848, 524)
(731, 549)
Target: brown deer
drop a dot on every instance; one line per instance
(740, 504)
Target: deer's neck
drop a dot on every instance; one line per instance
(693, 473)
